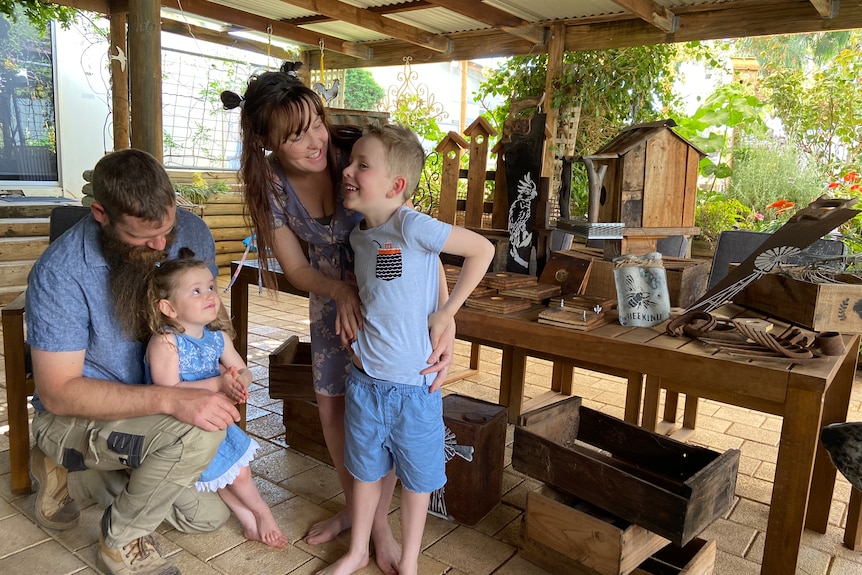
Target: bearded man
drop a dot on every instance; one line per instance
(100, 433)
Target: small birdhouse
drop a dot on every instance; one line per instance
(649, 180)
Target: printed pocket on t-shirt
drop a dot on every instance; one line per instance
(388, 266)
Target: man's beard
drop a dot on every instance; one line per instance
(129, 274)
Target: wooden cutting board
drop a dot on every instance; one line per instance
(580, 320)
(508, 280)
(536, 293)
(498, 303)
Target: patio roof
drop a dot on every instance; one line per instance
(367, 33)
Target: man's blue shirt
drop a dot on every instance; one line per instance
(69, 305)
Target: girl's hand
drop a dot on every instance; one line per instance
(231, 385)
(348, 320)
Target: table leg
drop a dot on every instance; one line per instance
(514, 376)
(793, 470)
(239, 315)
(650, 416)
(834, 410)
(634, 391)
(561, 377)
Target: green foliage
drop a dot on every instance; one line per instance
(763, 174)
(730, 110)
(822, 110)
(199, 191)
(361, 91)
(716, 212)
(38, 12)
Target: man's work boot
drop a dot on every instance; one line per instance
(140, 557)
(54, 508)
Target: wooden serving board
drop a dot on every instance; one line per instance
(498, 303)
(535, 293)
(571, 319)
(587, 302)
(508, 280)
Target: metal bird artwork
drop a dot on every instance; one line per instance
(807, 225)
(843, 442)
(119, 57)
(328, 94)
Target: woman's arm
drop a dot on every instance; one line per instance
(299, 272)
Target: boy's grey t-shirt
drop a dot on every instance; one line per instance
(398, 274)
(69, 305)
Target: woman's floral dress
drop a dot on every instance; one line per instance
(328, 252)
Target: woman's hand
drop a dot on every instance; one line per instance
(441, 357)
(348, 319)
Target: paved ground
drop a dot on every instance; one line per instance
(302, 490)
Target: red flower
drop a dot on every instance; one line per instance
(834, 185)
(851, 177)
(780, 206)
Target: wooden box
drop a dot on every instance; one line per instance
(290, 371)
(671, 488)
(607, 544)
(686, 278)
(819, 307)
(475, 486)
(290, 380)
(696, 558)
(302, 429)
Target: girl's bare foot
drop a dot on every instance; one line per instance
(328, 529)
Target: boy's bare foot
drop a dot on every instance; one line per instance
(387, 551)
(346, 565)
(328, 529)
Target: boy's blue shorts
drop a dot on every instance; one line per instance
(396, 424)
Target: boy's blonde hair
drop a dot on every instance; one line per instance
(404, 154)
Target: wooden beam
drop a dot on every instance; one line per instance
(261, 24)
(496, 18)
(119, 81)
(656, 14)
(145, 72)
(224, 39)
(552, 78)
(826, 8)
(371, 21)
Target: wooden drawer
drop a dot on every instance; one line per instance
(671, 488)
(607, 544)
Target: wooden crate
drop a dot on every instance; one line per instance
(820, 307)
(696, 558)
(607, 544)
(290, 371)
(671, 488)
(686, 278)
(302, 429)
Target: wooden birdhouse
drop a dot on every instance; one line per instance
(645, 178)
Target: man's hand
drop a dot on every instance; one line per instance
(441, 357)
(204, 409)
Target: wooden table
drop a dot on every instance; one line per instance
(808, 396)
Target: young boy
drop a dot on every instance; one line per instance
(392, 416)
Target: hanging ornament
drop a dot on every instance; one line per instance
(328, 94)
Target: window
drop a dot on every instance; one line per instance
(28, 145)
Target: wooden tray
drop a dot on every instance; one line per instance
(498, 303)
(588, 302)
(508, 280)
(537, 293)
(573, 319)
